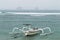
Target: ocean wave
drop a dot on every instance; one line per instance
(31, 14)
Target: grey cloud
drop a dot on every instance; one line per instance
(30, 4)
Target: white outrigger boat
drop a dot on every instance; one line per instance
(31, 31)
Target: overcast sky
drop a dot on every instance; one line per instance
(30, 4)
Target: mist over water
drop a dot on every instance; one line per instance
(9, 21)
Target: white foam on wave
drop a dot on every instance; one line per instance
(31, 14)
(38, 14)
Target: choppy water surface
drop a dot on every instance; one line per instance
(8, 22)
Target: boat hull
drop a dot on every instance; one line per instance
(31, 33)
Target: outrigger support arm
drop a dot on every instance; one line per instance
(44, 29)
(15, 29)
(47, 28)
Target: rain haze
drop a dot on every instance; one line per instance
(29, 19)
(30, 4)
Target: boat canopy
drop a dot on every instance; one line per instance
(27, 24)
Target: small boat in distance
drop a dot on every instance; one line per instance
(30, 31)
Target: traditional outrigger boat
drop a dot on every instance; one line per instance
(31, 31)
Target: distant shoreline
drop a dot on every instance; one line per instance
(32, 11)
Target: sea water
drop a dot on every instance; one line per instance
(9, 21)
